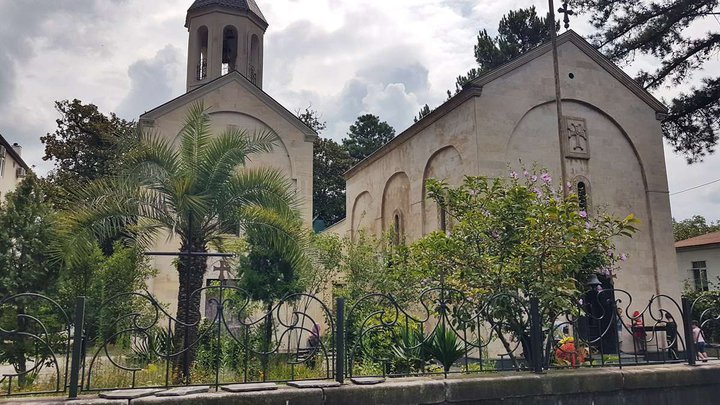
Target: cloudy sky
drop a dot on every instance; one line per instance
(343, 57)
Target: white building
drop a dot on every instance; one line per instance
(12, 168)
(698, 261)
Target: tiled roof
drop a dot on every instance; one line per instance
(237, 4)
(702, 240)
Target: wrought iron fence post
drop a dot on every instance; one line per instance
(340, 340)
(536, 336)
(687, 325)
(76, 360)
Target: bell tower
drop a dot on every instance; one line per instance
(224, 35)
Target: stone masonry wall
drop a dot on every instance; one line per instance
(657, 385)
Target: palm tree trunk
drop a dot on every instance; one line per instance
(191, 272)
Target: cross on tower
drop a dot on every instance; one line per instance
(566, 10)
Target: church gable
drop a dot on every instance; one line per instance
(234, 93)
(571, 37)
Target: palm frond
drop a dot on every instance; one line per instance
(228, 152)
(194, 137)
(109, 206)
(281, 232)
(263, 186)
(154, 160)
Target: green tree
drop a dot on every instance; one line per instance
(330, 161)
(86, 145)
(518, 237)
(196, 192)
(366, 136)
(659, 28)
(26, 229)
(518, 32)
(692, 227)
(312, 119)
(106, 282)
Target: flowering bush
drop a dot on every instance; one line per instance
(520, 236)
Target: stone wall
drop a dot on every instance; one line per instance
(657, 385)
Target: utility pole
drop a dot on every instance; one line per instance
(558, 96)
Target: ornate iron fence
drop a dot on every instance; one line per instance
(440, 331)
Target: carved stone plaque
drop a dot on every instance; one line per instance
(577, 144)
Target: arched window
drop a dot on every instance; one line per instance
(397, 228)
(229, 49)
(202, 36)
(254, 58)
(582, 196)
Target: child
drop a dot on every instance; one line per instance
(699, 341)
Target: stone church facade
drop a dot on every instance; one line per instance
(613, 151)
(614, 148)
(224, 72)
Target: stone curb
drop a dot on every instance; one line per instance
(681, 383)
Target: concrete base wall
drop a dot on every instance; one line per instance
(657, 385)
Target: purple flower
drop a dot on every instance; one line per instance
(623, 257)
(472, 193)
(588, 225)
(538, 192)
(583, 214)
(569, 185)
(533, 178)
(546, 177)
(525, 173)
(514, 174)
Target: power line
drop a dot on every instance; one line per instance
(693, 188)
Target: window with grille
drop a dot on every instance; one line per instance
(699, 274)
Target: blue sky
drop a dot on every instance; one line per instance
(343, 57)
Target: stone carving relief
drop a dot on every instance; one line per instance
(577, 144)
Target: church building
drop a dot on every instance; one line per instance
(225, 73)
(613, 154)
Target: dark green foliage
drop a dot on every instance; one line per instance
(86, 145)
(411, 352)
(26, 229)
(106, 282)
(330, 162)
(518, 32)
(663, 29)
(692, 227)
(366, 136)
(266, 275)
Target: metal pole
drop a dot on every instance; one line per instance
(558, 98)
(536, 336)
(79, 325)
(687, 325)
(340, 340)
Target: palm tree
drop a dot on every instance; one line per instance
(196, 191)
